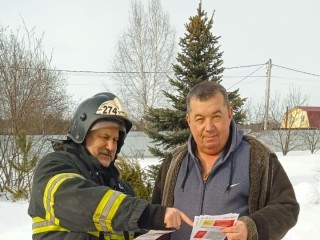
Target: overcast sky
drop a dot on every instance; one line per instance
(83, 35)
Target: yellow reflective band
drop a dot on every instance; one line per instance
(97, 218)
(37, 219)
(106, 210)
(48, 196)
(40, 225)
(113, 210)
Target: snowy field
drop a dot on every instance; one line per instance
(302, 167)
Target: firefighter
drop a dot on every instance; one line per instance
(77, 193)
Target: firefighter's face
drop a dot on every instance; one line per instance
(102, 144)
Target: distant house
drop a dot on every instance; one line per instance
(302, 118)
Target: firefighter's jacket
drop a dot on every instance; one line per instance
(75, 198)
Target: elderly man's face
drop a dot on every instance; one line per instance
(102, 144)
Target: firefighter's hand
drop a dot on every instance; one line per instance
(173, 217)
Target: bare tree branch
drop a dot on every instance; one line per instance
(144, 56)
(33, 104)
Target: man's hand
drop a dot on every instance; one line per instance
(173, 217)
(238, 231)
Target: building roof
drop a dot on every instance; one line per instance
(313, 109)
(313, 116)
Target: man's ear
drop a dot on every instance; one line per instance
(188, 118)
(230, 112)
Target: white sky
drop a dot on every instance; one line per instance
(302, 168)
(83, 35)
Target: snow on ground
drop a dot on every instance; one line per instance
(302, 168)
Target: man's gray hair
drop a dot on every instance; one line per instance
(205, 90)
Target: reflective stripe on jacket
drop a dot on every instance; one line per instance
(40, 225)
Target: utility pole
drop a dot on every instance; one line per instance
(267, 95)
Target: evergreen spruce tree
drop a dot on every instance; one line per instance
(200, 59)
(132, 172)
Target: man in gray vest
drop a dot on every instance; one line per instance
(219, 171)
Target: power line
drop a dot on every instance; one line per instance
(163, 72)
(273, 76)
(232, 77)
(246, 66)
(246, 77)
(299, 71)
(296, 79)
(242, 76)
(114, 72)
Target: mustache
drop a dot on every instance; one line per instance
(106, 152)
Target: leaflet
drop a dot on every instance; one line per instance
(207, 227)
(153, 234)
